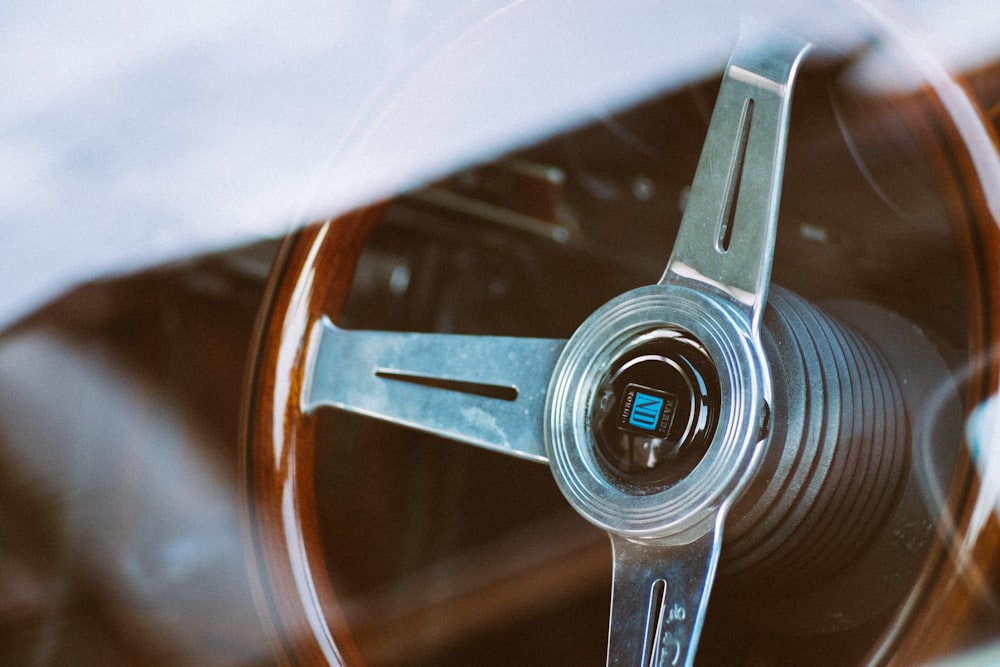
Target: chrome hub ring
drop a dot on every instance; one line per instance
(612, 339)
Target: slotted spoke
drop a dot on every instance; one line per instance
(488, 391)
(659, 597)
(726, 238)
(724, 247)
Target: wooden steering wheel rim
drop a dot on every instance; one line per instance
(311, 277)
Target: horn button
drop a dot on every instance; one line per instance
(655, 413)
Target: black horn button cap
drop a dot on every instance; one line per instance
(655, 415)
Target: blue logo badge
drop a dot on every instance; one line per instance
(645, 411)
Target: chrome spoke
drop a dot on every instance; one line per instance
(488, 391)
(659, 597)
(726, 238)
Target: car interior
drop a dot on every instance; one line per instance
(158, 507)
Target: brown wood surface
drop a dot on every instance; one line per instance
(311, 277)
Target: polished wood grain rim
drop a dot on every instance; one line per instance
(311, 277)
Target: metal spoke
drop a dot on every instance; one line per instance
(726, 238)
(488, 391)
(659, 597)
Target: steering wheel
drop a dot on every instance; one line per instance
(709, 421)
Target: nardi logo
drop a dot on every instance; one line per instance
(647, 411)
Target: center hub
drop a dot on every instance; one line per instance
(655, 413)
(653, 416)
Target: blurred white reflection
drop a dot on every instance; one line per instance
(982, 432)
(136, 133)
